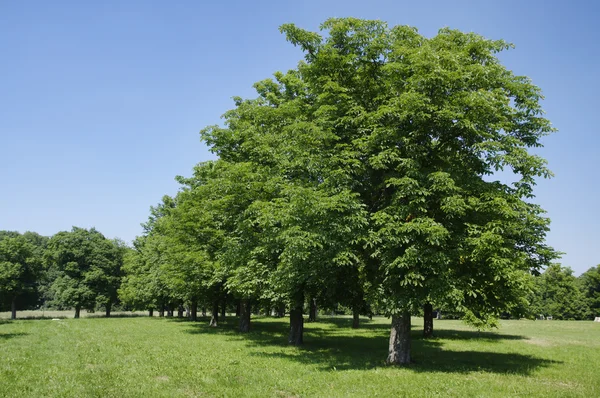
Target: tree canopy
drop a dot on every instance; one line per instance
(87, 268)
(20, 268)
(396, 138)
(590, 285)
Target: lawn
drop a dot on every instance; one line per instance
(157, 357)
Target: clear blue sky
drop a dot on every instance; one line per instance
(101, 101)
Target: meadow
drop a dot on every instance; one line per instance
(138, 356)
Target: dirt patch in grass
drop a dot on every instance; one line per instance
(285, 394)
(539, 342)
(559, 384)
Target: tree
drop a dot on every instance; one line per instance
(41, 293)
(197, 228)
(212, 222)
(589, 283)
(393, 139)
(144, 285)
(19, 269)
(137, 290)
(557, 294)
(88, 268)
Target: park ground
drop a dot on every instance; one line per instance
(138, 356)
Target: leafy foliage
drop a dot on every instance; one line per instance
(20, 268)
(393, 138)
(557, 294)
(88, 268)
(589, 283)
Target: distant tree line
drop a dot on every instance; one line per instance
(81, 269)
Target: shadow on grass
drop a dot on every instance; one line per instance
(94, 316)
(329, 349)
(41, 318)
(446, 334)
(346, 322)
(86, 316)
(6, 336)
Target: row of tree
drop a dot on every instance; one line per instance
(362, 178)
(76, 269)
(34, 274)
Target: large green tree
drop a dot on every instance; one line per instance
(87, 267)
(384, 131)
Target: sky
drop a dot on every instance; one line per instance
(101, 102)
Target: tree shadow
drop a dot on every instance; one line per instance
(431, 356)
(329, 349)
(346, 322)
(356, 353)
(42, 318)
(6, 336)
(95, 316)
(450, 334)
(229, 323)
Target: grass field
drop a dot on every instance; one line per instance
(156, 357)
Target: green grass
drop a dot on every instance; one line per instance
(152, 357)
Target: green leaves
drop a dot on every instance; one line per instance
(557, 294)
(589, 283)
(19, 266)
(87, 267)
(368, 167)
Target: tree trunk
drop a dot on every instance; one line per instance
(13, 308)
(399, 348)
(161, 313)
(297, 322)
(281, 310)
(180, 311)
(224, 309)
(150, 313)
(296, 327)
(194, 311)
(245, 311)
(312, 314)
(203, 311)
(238, 309)
(108, 308)
(355, 318)
(214, 320)
(428, 320)
(77, 311)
